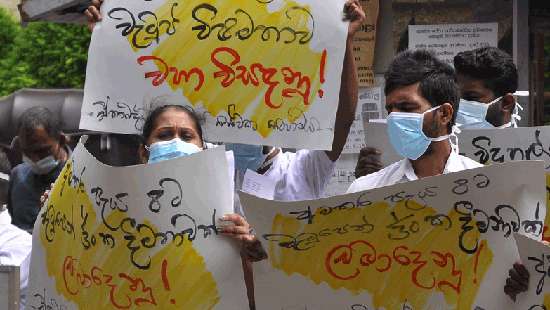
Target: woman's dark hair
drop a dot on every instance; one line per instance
(152, 119)
(494, 67)
(437, 80)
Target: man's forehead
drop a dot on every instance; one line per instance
(408, 93)
(38, 136)
(471, 83)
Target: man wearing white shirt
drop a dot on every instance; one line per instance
(15, 250)
(303, 175)
(421, 98)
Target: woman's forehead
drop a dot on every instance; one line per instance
(174, 118)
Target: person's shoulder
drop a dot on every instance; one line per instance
(20, 170)
(373, 180)
(10, 233)
(469, 163)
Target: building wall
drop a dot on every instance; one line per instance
(455, 12)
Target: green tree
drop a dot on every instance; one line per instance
(42, 55)
(8, 32)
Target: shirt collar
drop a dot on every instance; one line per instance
(406, 170)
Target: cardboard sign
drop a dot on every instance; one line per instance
(258, 72)
(137, 237)
(444, 242)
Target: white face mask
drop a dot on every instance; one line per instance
(165, 150)
(406, 135)
(473, 114)
(43, 166)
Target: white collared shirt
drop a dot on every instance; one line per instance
(303, 175)
(402, 171)
(15, 244)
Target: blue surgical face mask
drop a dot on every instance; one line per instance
(473, 115)
(406, 134)
(43, 166)
(165, 150)
(247, 156)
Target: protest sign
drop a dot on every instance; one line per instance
(364, 43)
(377, 137)
(137, 237)
(342, 176)
(258, 72)
(451, 39)
(368, 107)
(443, 242)
(485, 146)
(502, 145)
(535, 256)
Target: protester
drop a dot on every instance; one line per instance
(298, 176)
(302, 175)
(15, 249)
(45, 151)
(421, 99)
(488, 78)
(173, 131)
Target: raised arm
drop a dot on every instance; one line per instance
(345, 115)
(93, 14)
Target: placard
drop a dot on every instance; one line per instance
(443, 242)
(258, 72)
(137, 237)
(451, 39)
(368, 107)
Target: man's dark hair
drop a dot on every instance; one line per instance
(494, 67)
(37, 117)
(437, 80)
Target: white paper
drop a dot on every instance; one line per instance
(368, 107)
(502, 145)
(377, 137)
(258, 185)
(254, 70)
(535, 256)
(140, 237)
(343, 175)
(451, 39)
(320, 257)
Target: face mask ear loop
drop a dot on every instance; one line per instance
(515, 116)
(453, 138)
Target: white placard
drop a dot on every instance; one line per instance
(342, 176)
(535, 256)
(377, 137)
(258, 185)
(137, 237)
(259, 72)
(368, 107)
(444, 242)
(451, 39)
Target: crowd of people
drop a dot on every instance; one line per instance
(427, 100)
